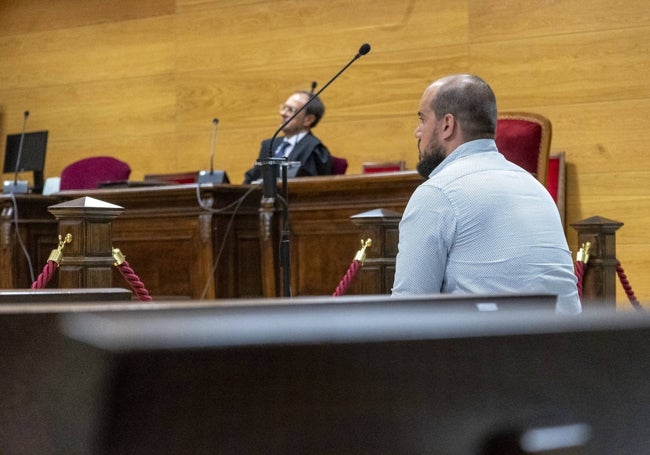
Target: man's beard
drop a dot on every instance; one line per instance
(432, 158)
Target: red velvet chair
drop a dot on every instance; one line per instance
(339, 165)
(371, 167)
(89, 172)
(556, 181)
(525, 139)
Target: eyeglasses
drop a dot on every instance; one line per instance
(289, 109)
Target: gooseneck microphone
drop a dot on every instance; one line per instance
(20, 147)
(16, 186)
(363, 50)
(211, 176)
(215, 122)
(269, 165)
(270, 173)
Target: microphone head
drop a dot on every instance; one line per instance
(313, 86)
(26, 114)
(215, 121)
(364, 49)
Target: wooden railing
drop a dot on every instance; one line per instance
(599, 281)
(182, 251)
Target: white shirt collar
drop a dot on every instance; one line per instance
(293, 140)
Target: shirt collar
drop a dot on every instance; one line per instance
(466, 149)
(293, 140)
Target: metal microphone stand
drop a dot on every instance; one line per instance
(270, 174)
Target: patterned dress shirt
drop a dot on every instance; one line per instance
(482, 225)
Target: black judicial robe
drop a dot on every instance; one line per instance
(312, 154)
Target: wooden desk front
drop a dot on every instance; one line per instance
(37, 230)
(324, 241)
(181, 251)
(178, 249)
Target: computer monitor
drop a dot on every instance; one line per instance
(32, 157)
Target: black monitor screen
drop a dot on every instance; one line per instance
(32, 157)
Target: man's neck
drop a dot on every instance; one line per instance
(296, 137)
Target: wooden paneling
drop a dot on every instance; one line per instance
(37, 231)
(324, 240)
(566, 69)
(511, 20)
(174, 246)
(113, 51)
(26, 16)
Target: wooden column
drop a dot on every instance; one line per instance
(88, 259)
(378, 272)
(599, 281)
(269, 239)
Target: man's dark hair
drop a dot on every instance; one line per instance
(315, 107)
(472, 102)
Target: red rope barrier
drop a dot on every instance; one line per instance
(45, 276)
(343, 286)
(580, 272)
(129, 275)
(52, 263)
(138, 286)
(354, 268)
(581, 264)
(628, 289)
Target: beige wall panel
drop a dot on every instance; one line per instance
(270, 36)
(186, 6)
(606, 150)
(374, 86)
(614, 196)
(94, 113)
(602, 135)
(26, 16)
(566, 69)
(131, 107)
(504, 20)
(110, 51)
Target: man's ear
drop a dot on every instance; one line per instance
(449, 126)
(308, 120)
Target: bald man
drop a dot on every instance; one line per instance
(479, 224)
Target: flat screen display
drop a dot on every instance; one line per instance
(32, 157)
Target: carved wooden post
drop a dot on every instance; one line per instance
(378, 272)
(269, 248)
(88, 258)
(599, 281)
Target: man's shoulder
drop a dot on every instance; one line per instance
(310, 139)
(311, 142)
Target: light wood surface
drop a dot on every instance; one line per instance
(142, 81)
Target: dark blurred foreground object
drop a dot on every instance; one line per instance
(346, 375)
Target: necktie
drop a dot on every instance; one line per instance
(279, 152)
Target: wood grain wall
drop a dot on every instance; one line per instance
(143, 80)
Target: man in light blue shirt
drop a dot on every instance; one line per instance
(480, 224)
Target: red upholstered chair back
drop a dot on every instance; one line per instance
(339, 165)
(556, 181)
(89, 172)
(370, 167)
(525, 139)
